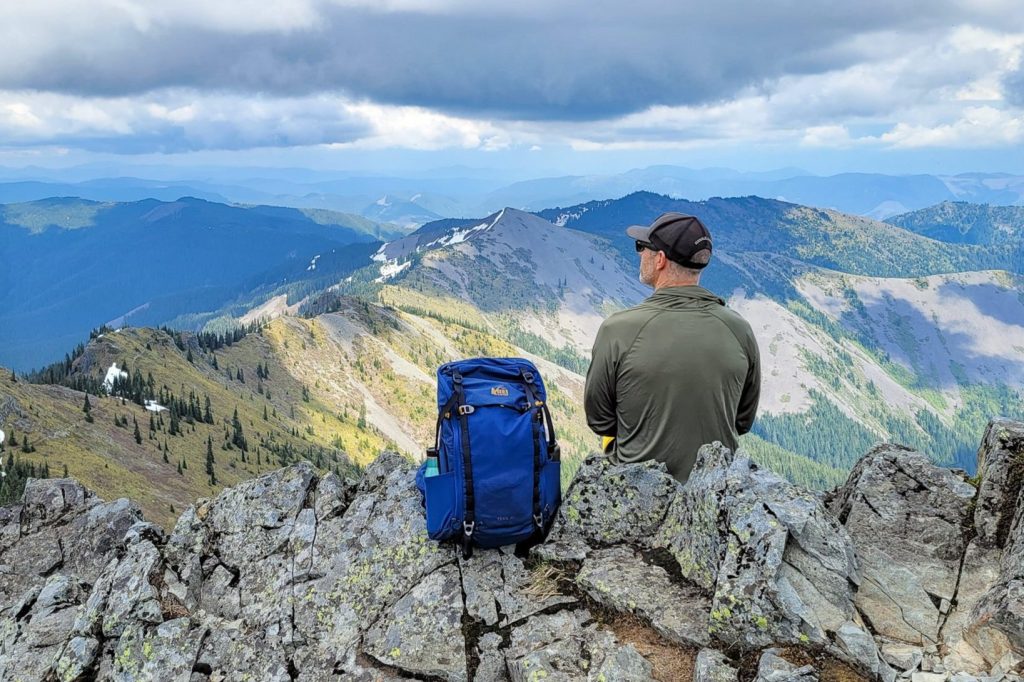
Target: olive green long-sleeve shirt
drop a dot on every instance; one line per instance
(671, 374)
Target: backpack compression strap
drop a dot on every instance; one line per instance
(554, 451)
(469, 521)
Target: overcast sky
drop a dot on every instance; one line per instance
(558, 86)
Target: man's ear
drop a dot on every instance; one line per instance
(662, 260)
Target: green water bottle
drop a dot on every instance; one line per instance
(432, 468)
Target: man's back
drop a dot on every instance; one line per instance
(671, 374)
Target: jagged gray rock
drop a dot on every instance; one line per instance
(712, 666)
(53, 548)
(1001, 474)
(593, 518)
(568, 646)
(774, 668)
(422, 632)
(498, 588)
(778, 566)
(293, 576)
(997, 619)
(906, 517)
(618, 578)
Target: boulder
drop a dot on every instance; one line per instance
(772, 667)
(568, 646)
(422, 632)
(1001, 475)
(995, 627)
(620, 579)
(712, 666)
(907, 519)
(54, 546)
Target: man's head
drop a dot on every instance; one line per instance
(674, 249)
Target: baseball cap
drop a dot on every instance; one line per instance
(679, 235)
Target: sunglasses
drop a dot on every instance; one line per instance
(640, 246)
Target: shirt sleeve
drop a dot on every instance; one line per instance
(747, 409)
(599, 398)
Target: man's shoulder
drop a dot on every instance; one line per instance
(629, 318)
(736, 322)
(624, 325)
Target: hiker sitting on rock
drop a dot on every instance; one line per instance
(678, 370)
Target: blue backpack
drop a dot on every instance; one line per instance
(498, 475)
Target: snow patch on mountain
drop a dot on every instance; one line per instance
(113, 373)
(390, 269)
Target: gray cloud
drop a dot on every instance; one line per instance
(577, 61)
(1013, 86)
(176, 122)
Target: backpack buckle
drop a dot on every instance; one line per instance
(528, 376)
(466, 409)
(538, 520)
(467, 539)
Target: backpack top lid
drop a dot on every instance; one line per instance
(488, 375)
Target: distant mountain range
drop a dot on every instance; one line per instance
(463, 192)
(911, 330)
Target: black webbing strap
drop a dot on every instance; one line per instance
(443, 414)
(469, 520)
(554, 452)
(538, 519)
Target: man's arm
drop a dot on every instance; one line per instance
(751, 390)
(599, 393)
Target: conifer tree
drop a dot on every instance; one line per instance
(237, 436)
(209, 461)
(264, 412)
(180, 473)
(208, 412)
(65, 471)
(87, 408)
(138, 434)
(14, 377)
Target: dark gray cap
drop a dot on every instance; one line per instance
(679, 235)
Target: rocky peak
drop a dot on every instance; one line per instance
(907, 570)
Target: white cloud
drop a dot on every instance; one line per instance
(977, 127)
(418, 128)
(835, 136)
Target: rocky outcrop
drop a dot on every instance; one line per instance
(908, 518)
(941, 561)
(294, 576)
(768, 563)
